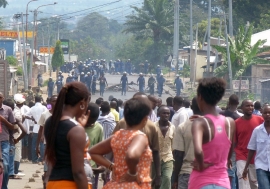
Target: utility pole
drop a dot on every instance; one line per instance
(17, 17)
(49, 51)
(191, 42)
(208, 37)
(32, 48)
(228, 57)
(230, 19)
(176, 35)
(24, 56)
(216, 52)
(196, 50)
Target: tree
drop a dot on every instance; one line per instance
(242, 54)
(264, 22)
(3, 3)
(215, 24)
(12, 60)
(154, 20)
(57, 58)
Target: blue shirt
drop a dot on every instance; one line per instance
(260, 142)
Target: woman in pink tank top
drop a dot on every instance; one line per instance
(212, 138)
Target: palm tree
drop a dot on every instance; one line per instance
(3, 3)
(154, 20)
(242, 54)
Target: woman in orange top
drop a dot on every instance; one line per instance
(130, 148)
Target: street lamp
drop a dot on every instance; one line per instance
(32, 42)
(27, 18)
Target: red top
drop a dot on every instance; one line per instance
(243, 132)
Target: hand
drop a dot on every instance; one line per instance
(127, 178)
(244, 174)
(197, 168)
(37, 151)
(84, 118)
(1, 168)
(157, 181)
(229, 164)
(2, 118)
(175, 185)
(15, 141)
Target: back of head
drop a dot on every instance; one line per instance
(186, 103)
(136, 109)
(139, 94)
(9, 102)
(113, 104)
(120, 102)
(194, 106)
(211, 90)
(178, 100)
(70, 95)
(105, 107)
(257, 105)
(99, 101)
(94, 112)
(169, 101)
(37, 99)
(233, 100)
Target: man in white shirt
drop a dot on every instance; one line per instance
(34, 114)
(180, 115)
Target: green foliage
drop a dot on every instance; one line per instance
(3, 3)
(58, 58)
(19, 71)
(264, 22)
(155, 21)
(12, 60)
(248, 10)
(186, 71)
(215, 24)
(242, 54)
(45, 83)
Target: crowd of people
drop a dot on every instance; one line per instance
(139, 143)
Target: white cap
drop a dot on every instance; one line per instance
(177, 75)
(161, 74)
(19, 98)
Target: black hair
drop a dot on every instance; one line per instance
(53, 96)
(99, 101)
(211, 89)
(31, 104)
(139, 94)
(105, 107)
(161, 107)
(194, 106)
(9, 102)
(117, 104)
(135, 110)
(233, 99)
(186, 103)
(169, 101)
(178, 100)
(152, 98)
(120, 102)
(71, 94)
(257, 105)
(94, 112)
(37, 98)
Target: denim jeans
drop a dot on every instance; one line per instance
(42, 151)
(16, 167)
(5, 155)
(263, 178)
(212, 186)
(34, 141)
(11, 160)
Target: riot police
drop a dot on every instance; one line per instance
(178, 84)
(59, 84)
(88, 81)
(160, 82)
(151, 84)
(50, 87)
(141, 82)
(124, 82)
(94, 82)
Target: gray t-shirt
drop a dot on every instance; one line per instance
(7, 113)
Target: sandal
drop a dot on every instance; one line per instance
(14, 177)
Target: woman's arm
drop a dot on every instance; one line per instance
(97, 151)
(77, 141)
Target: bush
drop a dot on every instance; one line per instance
(45, 83)
(12, 61)
(19, 71)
